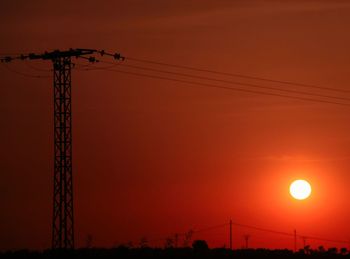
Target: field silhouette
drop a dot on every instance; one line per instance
(198, 250)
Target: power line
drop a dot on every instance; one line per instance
(90, 67)
(77, 65)
(37, 68)
(254, 228)
(232, 82)
(225, 87)
(108, 68)
(325, 239)
(92, 59)
(211, 228)
(10, 54)
(24, 74)
(289, 234)
(117, 56)
(262, 229)
(238, 75)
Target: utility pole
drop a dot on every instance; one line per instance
(295, 240)
(304, 241)
(176, 240)
(63, 216)
(246, 238)
(230, 234)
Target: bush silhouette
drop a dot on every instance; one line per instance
(200, 245)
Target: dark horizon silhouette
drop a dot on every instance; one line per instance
(199, 249)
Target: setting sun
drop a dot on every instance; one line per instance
(300, 189)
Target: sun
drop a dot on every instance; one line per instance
(300, 189)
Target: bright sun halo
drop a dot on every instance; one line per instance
(300, 189)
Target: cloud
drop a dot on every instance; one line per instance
(294, 158)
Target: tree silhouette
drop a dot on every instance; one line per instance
(307, 249)
(332, 250)
(200, 250)
(169, 243)
(321, 249)
(143, 242)
(188, 237)
(343, 250)
(200, 245)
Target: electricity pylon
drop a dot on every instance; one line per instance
(63, 216)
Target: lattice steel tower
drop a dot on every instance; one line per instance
(63, 216)
(63, 219)
(63, 209)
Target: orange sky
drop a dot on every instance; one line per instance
(151, 157)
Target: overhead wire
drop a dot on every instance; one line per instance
(193, 68)
(36, 68)
(225, 87)
(211, 228)
(254, 228)
(9, 54)
(325, 239)
(231, 82)
(262, 229)
(290, 234)
(24, 74)
(295, 97)
(237, 75)
(274, 232)
(76, 65)
(90, 66)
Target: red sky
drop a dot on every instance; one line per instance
(151, 157)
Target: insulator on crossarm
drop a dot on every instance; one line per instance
(7, 60)
(93, 60)
(118, 56)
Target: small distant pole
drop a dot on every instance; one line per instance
(176, 239)
(304, 241)
(230, 234)
(295, 240)
(246, 238)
